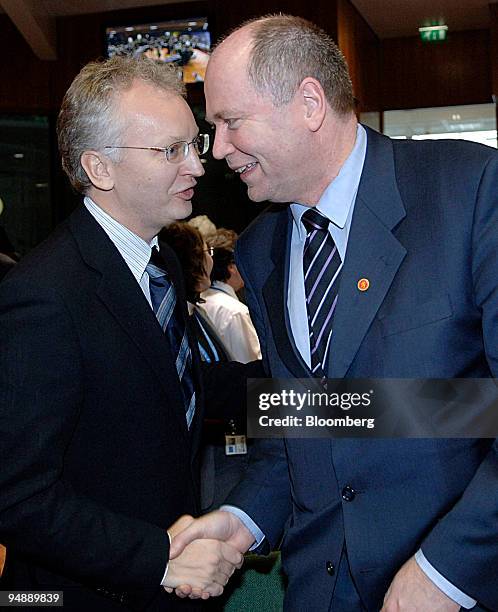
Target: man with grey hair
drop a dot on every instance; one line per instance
(100, 393)
(383, 265)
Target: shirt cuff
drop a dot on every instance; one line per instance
(259, 536)
(442, 584)
(167, 564)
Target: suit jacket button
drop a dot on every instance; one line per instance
(348, 493)
(330, 568)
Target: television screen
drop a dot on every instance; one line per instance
(184, 43)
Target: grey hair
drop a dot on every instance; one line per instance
(286, 49)
(87, 119)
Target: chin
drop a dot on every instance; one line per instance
(260, 195)
(254, 196)
(181, 210)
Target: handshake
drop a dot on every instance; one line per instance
(204, 553)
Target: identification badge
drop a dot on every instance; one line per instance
(235, 445)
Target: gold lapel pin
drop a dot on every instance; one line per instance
(363, 284)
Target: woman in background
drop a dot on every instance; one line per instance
(223, 463)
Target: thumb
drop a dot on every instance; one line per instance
(178, 526)
(193, 531)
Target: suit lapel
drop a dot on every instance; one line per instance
(275, 296)
(373, 253)
(120, 293)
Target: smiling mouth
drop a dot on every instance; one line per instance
(246, 168)
(186, 194)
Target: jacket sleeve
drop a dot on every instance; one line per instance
(463, 546)
(42, 517)
(264, 494)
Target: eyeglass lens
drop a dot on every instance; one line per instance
(178, 151)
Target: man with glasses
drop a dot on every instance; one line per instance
(100, 394)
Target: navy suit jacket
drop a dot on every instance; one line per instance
(425, 234)
(96, 458)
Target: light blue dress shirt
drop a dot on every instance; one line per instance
(337, 204)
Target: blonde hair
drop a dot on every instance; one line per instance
(88, 119)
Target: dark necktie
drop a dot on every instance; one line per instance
(321, 263)
(169, 316)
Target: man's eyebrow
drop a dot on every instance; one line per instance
(220, 115)
(173, 139)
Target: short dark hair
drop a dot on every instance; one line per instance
(287, 49)
(222, 258)
(188, 244)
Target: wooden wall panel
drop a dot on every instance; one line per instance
(361, 48)
(494, 48)
(25, 81)
(416, 74)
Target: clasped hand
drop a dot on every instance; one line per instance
(204, 553)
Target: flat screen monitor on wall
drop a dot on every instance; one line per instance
(184, 43)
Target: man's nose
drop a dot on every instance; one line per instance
(195, 166)
(222, 145)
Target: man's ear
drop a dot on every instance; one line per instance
(99, 169)
(314, 102)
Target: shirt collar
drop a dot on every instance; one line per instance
(339, 196)
(221, 286)
(135, 250)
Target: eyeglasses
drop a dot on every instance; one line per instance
(178, 151)
(209, 250)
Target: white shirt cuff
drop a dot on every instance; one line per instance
(167, 564)
(442, 584)
(259, 536)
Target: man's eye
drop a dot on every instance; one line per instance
(231, 123)
(174, 150)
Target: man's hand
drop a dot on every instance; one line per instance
(205, 565)
(182, 523)
(412, 590)
(218, 525)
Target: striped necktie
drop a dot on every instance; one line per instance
(321, 266)
(169, 317)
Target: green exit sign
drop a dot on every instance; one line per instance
(433, 33)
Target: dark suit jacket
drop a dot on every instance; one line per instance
(96, 458)
(6, 264)
(425, 234)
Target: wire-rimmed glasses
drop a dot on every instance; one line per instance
(178, 151)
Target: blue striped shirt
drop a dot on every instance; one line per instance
(133, 249)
